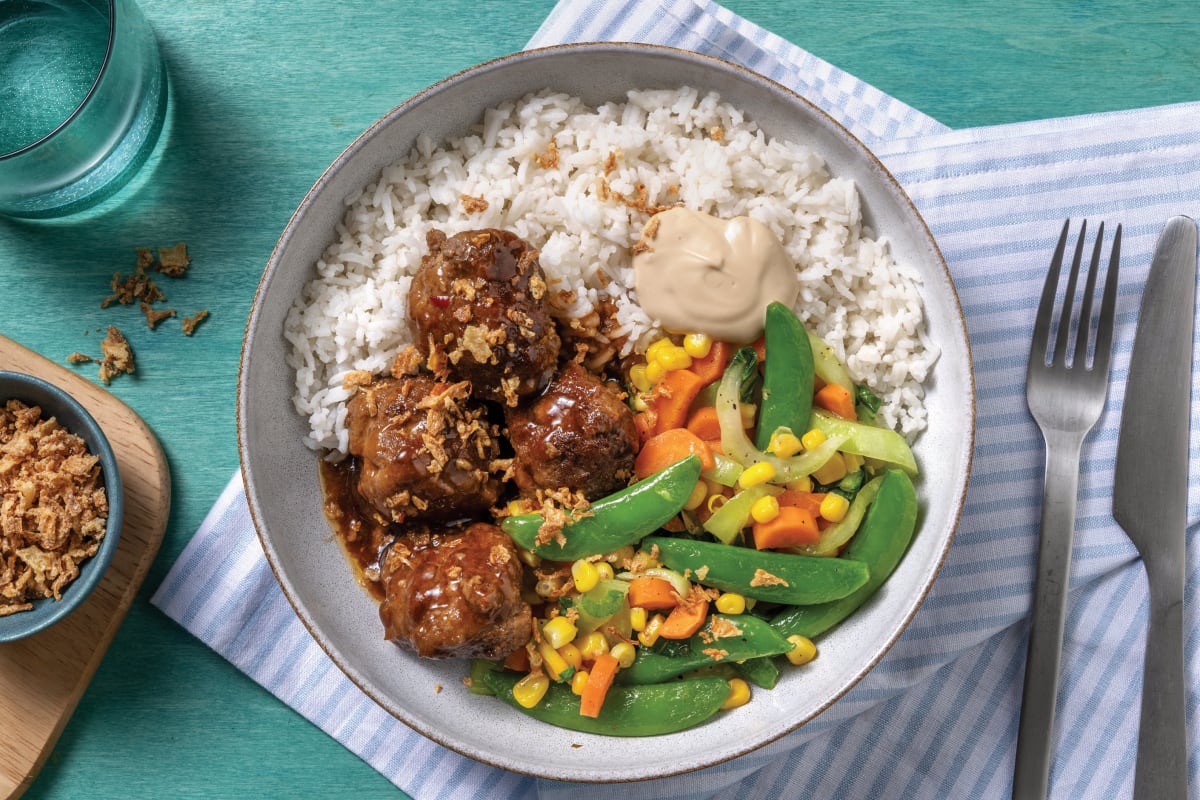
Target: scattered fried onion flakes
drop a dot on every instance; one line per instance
(53, 508)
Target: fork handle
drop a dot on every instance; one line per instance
(1162, 738)
(1031, 773)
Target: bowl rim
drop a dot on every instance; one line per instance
(91, 571)
(326, 176)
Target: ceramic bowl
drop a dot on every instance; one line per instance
(281, 475)
(75, 418)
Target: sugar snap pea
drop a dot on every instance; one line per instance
(880, 543)
(761, 671)
(617, 520)
(763, 575)
(724, 639)
(787, 391)
(628, 710)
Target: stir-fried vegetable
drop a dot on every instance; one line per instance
(769, 507)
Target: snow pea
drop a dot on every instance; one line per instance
(628, 710)
(787, 390)
(617, 520)
(737, 637)
(763, 575)
(762, 671)
(880, 542)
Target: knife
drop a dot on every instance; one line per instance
(1150, 498)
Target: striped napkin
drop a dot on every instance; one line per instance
(937, 718)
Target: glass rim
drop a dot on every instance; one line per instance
(108, 52)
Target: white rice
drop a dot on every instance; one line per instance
(684, 148)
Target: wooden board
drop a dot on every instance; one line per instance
(43, 676)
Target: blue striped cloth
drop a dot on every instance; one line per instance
(937, 718)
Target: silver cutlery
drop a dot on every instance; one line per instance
(1150, 498)
(1065, 395)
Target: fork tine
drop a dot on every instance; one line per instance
(1108, 305)
(1083, 335)
(1045, 312)
(1068, 307)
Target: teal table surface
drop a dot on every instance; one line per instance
(263, 97)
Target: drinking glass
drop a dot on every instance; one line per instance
(83, 94)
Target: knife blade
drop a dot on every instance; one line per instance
(1150, 497)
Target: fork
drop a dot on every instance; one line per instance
(1066, 395)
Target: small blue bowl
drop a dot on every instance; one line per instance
(54, 402)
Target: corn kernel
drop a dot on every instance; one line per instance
(731, 603)
(649, 635)
(656, 347)
(578, 682)
(739, 694)
(801, 484)
(638, 403)
(570, 654)
(834, 507)
(672, 358)
(812, 439)
(854, 461)
(831, 471)
(530, 690)
(604, 570)
(698, 496)
(585, 575)
(593, 645)
(785, 444)
(637, 618)
(554, 663)
(624, 653)
(637, 376)
(803, 650)
(559, 631)
(748, 412)
(697, 345)
(654, 372)
(764, 509)
(756, 474)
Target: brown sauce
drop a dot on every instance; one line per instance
(363, 535)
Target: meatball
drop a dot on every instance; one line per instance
(427, 450)
(477, 308)
(578, 434)
(455, 594)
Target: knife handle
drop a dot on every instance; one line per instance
(1031, 774)
(1162, 755)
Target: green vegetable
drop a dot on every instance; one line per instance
(628, 710)
(617, 520)
(869, 441)
(762, 671)
(763, 575)
(787, 391)
(866, 403)
(753, 638)
(738, 446)
(827, 365)
(879, 543)
(596, 606)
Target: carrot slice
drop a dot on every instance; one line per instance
(670, 447)
(712, 366)
(673, 397)
(652, 594)
(704, 423)
(792, 527)
(836, 398)
(600, 678)
(809, 501)
(517, 660)
(687, 618)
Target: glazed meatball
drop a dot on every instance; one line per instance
(427, 449)
(477, 308)
(578, 434)
(455, 594)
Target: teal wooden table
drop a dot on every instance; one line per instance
(264, 96)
